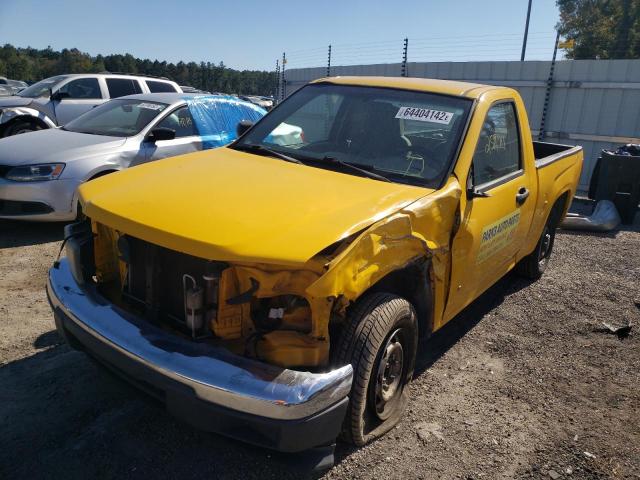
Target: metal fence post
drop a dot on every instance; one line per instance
(276, 89)
(283, 90)
(329, 63)
(405, 72)
(547, 94)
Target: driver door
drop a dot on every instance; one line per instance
(497, 217)
(187, 138)
(81, 95)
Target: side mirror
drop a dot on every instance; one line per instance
(472, 191)
(161, 133)
(475, 193)
(58, 96)
(243, 126)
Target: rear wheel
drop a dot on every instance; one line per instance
(380, 343)
(533, 265)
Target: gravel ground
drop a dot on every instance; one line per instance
(521, 385)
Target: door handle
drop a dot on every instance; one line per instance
(522, 195)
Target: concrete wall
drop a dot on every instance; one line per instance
(593, 103)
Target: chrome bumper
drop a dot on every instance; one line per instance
(212, 374)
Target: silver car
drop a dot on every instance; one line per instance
(41, 171)
(58, 100)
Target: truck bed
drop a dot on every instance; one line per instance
(558, 168)
(546, 153)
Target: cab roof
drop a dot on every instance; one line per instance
(432, 85)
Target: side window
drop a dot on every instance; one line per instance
(498, 151)
(181, 121)
(160, 87)
(119, 87)
(82, 88)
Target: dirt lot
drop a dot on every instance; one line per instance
(521, 385)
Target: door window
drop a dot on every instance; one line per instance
(82, 88)
(498, 150)
(181, 122)
(160, 87)
(119, 87)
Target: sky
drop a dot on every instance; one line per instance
(251, 34)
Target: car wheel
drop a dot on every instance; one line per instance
(21, 127)
(533, 265)
(380, 342)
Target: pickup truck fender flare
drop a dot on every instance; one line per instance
(12, 114)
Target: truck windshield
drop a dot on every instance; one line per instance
(399, 135)
(117, 118)
(41, 88)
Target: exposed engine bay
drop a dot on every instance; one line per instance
(209, 301)
(279, 314)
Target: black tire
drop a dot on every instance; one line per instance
(79, 213)
(533, 265)
(21, 126)
(382, 332)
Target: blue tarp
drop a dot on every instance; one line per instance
(216, 117)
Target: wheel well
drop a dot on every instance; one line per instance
(559, 208)
(101, 174)
(76, 199)
(412, 283)
(25, 118)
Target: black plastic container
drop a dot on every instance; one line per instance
(617, 178)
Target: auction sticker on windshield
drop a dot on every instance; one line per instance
(151, 106)
(424, 115)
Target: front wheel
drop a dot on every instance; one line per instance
(380, 342)
(21, 127)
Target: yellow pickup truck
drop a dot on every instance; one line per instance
(277, 290)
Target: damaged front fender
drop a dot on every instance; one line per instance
(422, 230)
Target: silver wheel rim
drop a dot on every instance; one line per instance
(545, 245)
(389, 375)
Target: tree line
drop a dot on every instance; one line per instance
(601, 28)
(31, 64)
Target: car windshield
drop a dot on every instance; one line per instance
(117, 118)
(400, 135)
(41, 88)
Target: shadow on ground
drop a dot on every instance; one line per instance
(103, 427)
(19, 234)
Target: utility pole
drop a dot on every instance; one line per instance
(547, 95)
(329, 63)
(405, 72)
(526, 33)
(283, 90)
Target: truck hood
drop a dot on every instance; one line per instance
(233, 206)
(53, 145)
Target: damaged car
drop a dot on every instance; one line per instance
(278, 292)
(40, 171)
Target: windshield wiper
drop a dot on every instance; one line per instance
(356, 168)
(274, 153)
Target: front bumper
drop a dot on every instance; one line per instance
(206, 386)
(42, 201)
